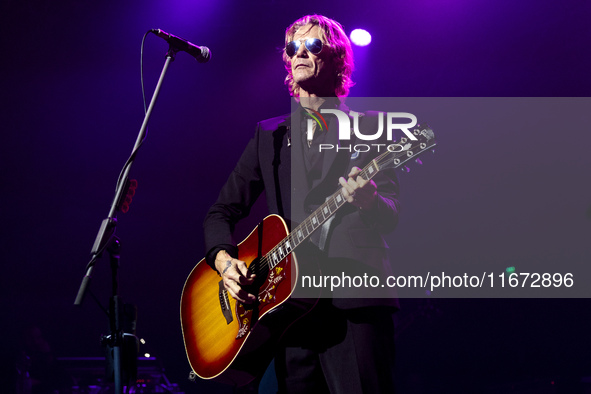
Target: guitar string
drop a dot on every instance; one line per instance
(332, 206)
(264, 264)
(380, 160)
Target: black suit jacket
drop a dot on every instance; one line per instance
(273, 163)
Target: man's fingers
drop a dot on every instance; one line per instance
(234, 275)
(357, 190)
(246, 296)
(357, 179)
(360, 182)
(238, 298)
(238, 293)
(348, 191)
(246, 277)
(354, 171)
(241, 265)
(350, 185)
(236, 270)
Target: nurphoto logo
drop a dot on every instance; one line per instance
(392, 121)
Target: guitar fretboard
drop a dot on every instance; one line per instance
(315, 220)
(389, 159)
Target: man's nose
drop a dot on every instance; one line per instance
(302, 51)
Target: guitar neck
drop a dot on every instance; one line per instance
(315, 220)
(401, 152)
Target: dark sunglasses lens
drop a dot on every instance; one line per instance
(314, 45)
(291, 48)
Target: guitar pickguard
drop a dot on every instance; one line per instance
(266, 296)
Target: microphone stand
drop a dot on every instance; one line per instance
(106, 240)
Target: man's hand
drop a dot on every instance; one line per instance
(358, 191)
(235, 275)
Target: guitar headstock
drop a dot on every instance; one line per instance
(407, 149)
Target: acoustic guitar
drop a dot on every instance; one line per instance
(234, 342)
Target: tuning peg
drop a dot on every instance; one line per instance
(432, 150)
(418, 161)
(405, 169)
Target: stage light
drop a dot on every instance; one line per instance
(360, 37)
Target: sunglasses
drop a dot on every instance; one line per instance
(313, 45)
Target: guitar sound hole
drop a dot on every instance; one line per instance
(261, 271)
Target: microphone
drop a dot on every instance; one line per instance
(201, 54)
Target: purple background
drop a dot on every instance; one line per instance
(71, 109)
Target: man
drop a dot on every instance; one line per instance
(345, 345)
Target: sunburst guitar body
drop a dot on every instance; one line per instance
(225, 339)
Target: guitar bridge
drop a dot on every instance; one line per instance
(225, 303)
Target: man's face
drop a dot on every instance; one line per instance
(313, 73)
